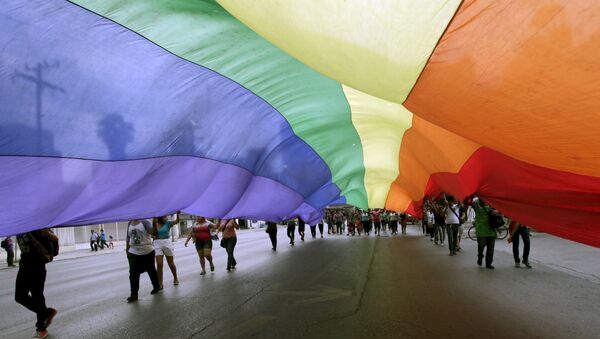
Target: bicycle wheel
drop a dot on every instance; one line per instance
(471, 233)
(502, 232)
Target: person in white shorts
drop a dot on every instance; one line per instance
(164, 247)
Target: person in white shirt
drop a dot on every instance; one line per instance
(452, 219)
(430, 223)
(140, 254)
(94, 241)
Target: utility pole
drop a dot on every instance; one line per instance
(37, 77)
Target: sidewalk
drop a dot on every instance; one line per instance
(560, 254)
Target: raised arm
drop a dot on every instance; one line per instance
(154, 227)
(127, 239)
(176, 220)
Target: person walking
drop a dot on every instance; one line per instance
(440, 223)
(350, 221)
(376, 215)
(452, 221)
(9, 247)
(163, 246)
(385, 221)
(321, 227)
(272, 232)
(428, 216)
(110, 242)
(291, 230)
(140, 255)
(358, 222)
(515, 230)
(203, 241)
(367, 219)
(394, 222)
(37, 249)
(313, 231)
(229, 240)
(94, 241)
(339, 221)
(403, 223)
(301, 228)
(103, 239)
(486, 235)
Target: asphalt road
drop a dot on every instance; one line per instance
(336, 287)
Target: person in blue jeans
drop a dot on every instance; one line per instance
(522, 231)
(228, 228)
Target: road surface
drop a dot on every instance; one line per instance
(336, 287)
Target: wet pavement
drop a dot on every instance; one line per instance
(336, 287)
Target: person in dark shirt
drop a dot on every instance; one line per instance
(272, 232)
(291, 229)
(36, 251)
(301, 228)
(10, 251)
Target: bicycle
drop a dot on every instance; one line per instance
(501, 233)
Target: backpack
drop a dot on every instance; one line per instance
(46, 247)
(3, 244)
(495, 220)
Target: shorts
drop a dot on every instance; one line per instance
(163, 247)
(203, 244)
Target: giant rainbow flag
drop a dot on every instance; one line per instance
(270, 109)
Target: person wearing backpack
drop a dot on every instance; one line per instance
(37, 249)
(486, 235)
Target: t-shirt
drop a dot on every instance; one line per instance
(94, 236)
(470, 214)
(452, 213)
(201, 231)
(271, 226)
(103, 236)
(140, 238)
(365, 217)
(163, 231)
(430, 217)
(376, 216)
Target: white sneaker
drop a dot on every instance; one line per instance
(40, 334)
